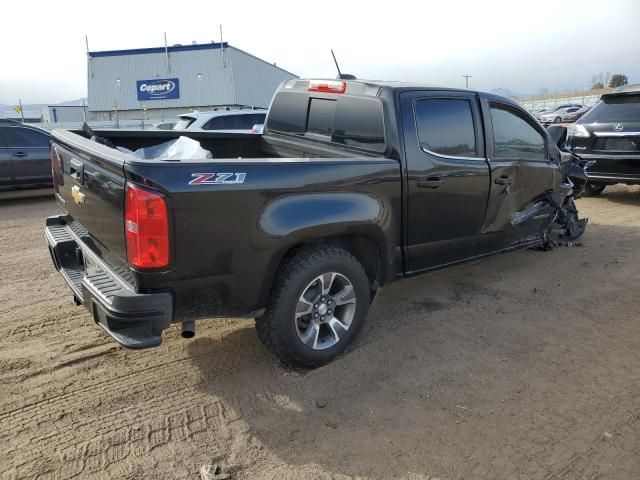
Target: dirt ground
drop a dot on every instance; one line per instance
(521, 366)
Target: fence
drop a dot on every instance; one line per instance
(544, 102)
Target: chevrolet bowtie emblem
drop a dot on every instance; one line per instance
(77, 195)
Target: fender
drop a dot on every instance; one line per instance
(307, 217)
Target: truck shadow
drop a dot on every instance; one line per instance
(455, 373)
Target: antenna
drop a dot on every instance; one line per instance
(341, 76)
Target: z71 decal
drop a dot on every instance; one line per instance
(217, 178)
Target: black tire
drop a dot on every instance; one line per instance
(557, 120)
(594, 189)
(277, 328)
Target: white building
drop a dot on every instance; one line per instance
(159, 83)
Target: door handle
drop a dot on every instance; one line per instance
(431, 182)
(19, 154)
(502, 180)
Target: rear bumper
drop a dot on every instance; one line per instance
(611, 179)
(132, 319)
(611, 169)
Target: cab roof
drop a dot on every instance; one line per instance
(374, 87)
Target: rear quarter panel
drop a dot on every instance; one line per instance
(230, 238)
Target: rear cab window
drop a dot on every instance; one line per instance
(351, 121)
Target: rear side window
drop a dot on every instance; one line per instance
(514, 137)
(614, 109)
(445, 126)
(183, 123)
(17, 137)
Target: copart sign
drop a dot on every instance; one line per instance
(158, 89)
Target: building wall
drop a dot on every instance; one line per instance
(208, 75)
(255, 80)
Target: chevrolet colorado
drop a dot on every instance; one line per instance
(353, 184)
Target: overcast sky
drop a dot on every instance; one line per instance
(520, 45)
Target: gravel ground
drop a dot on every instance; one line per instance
(521, 366)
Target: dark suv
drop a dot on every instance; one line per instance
(24, 157)
(609, 135)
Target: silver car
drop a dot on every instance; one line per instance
(223, 120)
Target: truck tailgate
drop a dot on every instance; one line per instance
(90, 188)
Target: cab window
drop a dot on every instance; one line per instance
(515, 137)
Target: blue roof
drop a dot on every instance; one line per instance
(171, 49)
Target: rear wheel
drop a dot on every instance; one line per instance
(594, 189)
(319, 303)
(557, 120)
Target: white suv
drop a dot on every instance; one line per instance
(223, 120)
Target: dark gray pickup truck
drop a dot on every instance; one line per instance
(354, 184)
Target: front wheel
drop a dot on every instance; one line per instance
(594, 189)
(319, 303)
(557, 120)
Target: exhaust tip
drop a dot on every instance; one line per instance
(188, 329)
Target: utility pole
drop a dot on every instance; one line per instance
(466, 77)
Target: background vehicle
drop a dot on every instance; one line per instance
(550, 110)
(24, 157)
(223, 120)
(352, 185)
(609, 136)
(555, 116)
(574, 113)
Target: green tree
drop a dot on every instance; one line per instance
(618, 80)
(597, 86)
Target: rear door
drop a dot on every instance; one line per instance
(447, 177)
(29, 151)
(523, 170)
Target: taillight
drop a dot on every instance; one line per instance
(146, 228)
(327, 86)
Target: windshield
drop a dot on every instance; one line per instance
(183, 123)
(614, 109)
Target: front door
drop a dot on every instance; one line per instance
(523, 171)
(447, 177)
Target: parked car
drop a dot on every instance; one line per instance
(551, 110)
(555, 116)
(574, 113)
(609, 136)
(353, 184)
(223, 120)
(24, 156)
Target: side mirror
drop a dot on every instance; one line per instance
(558, 134)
